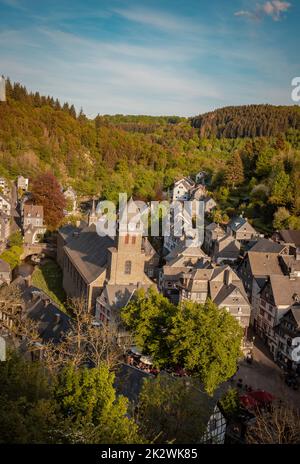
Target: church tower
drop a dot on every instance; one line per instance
(127, 260)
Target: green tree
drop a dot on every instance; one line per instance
(16, 239)
(71, 406)
(265, 162)
(281, 218)
(27, 411)
(206, 340)
(234, 173)
(88, 404)
(12, 256)
(281, 192)
(148, 316)
(170, 410)
(230, 402)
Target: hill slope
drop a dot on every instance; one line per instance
(248, 121)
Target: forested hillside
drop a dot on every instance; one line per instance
(143, 155)
(248, 121)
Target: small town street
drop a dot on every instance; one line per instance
(264, 374)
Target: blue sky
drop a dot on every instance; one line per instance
(152, 57)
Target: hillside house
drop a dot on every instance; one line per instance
(275, 298)
(223, 286)
(22, 184)
(285, 332)
(33, 223)
(240, 229)
(5, 205)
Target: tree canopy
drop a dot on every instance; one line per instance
(202, 338)
(74, 405)
(47, 192)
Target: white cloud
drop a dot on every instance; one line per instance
(248, 14)
(275, 8)
(157, 19)
(272, 8)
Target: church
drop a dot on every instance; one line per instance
(104, 270)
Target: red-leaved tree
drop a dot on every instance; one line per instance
(46, 191)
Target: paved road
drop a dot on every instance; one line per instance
(264, 374)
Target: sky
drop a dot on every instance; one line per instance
(156, 57)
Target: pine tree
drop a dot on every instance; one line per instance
(234, 173)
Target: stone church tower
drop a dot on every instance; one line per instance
(126, 260)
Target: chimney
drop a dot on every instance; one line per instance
(227, 277)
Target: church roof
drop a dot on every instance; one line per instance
(89, 252)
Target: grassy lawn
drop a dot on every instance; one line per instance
(48, 277)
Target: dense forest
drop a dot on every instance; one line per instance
(248, 121)
(251, 153)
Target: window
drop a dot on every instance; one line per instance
(127, 267)
(133, 240)
(127, 239)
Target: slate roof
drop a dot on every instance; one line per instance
(235, 289)
(33, 211)
(291, 262)
(67, 232)
(284, 289)
(219, 290)
(4, 266)
(52, 322)
(295, 310)
(188, 183)
(183, 250)
(264, 245)
(89, 252)
(174, 272)
(291, 236)
(117, 296)
(236, 223)
(264, 264)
